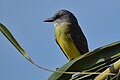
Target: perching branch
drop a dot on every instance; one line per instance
(112, 69)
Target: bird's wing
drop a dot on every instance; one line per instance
(79, 39)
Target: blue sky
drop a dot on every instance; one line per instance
(99, 20)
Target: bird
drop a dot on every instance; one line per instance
(68, 34)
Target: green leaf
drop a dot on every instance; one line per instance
(88, 60)
(100, 67)
(10, 37)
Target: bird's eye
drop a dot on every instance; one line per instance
(57, 16)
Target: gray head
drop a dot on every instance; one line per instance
(62, 16)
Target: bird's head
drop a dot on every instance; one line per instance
(62, 16)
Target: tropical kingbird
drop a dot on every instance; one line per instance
(68, 34)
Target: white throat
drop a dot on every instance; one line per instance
(60, 24)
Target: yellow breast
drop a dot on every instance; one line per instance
(66, 43)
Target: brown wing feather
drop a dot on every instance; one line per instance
(79, 39)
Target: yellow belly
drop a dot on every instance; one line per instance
(66, 43)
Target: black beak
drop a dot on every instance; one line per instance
(49, 20)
